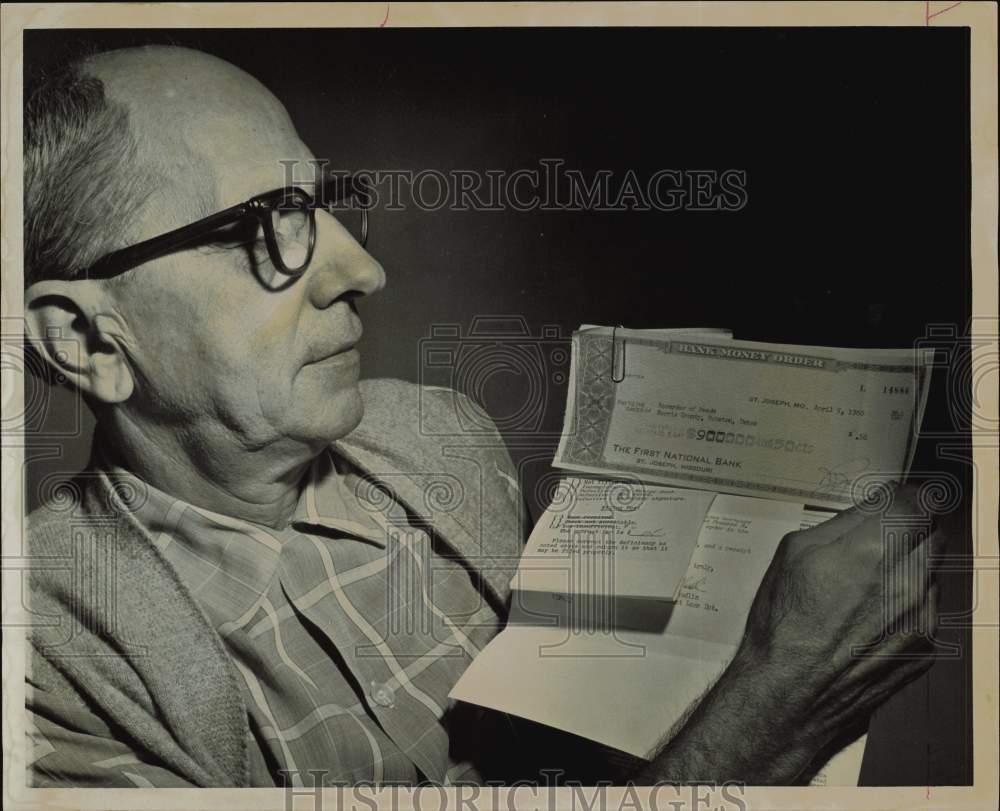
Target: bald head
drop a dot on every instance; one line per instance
(131, 143)
(201, 124)
(159, 83)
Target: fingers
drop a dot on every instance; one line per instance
(916, 549)
(897, 531)
(910, 609)
(858, 525)
(938, 540)
(933, 597)
(838, 526)
(901, 673)
(912, 570)
(906, 500)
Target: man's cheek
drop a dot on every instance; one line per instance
(275, 318)
(274, 381)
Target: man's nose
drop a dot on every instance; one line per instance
(340, 266)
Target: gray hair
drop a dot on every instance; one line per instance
(82, 183)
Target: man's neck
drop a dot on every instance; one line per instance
(260, 486)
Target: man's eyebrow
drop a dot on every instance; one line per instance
(241, 232)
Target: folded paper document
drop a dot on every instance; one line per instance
(603, 537)
(693, 454)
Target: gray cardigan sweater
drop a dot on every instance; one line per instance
(117, 631)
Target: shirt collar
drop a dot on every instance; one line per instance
(227, 563)
(330, 499)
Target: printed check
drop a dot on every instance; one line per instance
(800, 423)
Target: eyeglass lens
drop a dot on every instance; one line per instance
(350, 215)
(292, 224)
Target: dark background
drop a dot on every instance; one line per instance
(855, 144)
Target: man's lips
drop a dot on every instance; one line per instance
(346, 355)
(326, 352)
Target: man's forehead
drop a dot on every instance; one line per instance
(188, 108)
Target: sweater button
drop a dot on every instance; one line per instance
(383, 695)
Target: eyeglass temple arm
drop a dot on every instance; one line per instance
(120, 261)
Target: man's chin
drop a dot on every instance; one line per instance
(330, 419)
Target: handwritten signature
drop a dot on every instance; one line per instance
(841, 476)
(695, 584)
(652, 533)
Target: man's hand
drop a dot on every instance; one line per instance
(837, 588)
(798, 678)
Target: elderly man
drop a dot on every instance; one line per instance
(255, 582)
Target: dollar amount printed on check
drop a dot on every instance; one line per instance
(808, 424)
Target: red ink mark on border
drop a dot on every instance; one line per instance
(386, 18)
(927, 11)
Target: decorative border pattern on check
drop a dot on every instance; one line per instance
(596, 391)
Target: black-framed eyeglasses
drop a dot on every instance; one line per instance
(286, 217)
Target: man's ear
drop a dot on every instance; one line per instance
(72, 326)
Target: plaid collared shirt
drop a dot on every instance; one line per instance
(347, 627)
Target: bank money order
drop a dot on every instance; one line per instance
(799, 423)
